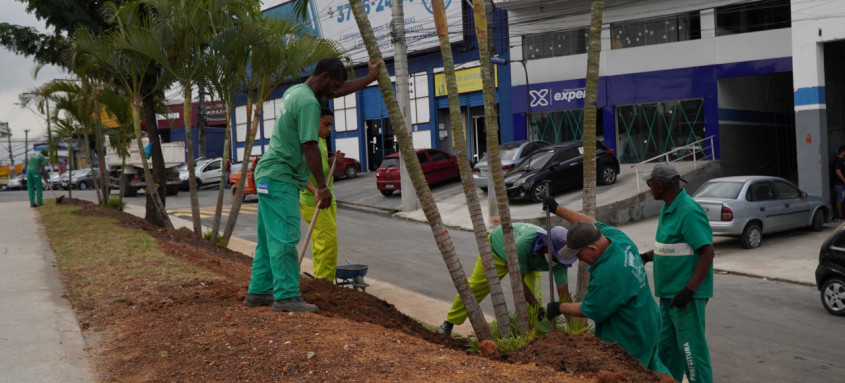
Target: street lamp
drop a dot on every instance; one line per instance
(49, 130)
(500, 61)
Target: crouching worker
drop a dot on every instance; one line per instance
(618, 296)
(531, 247)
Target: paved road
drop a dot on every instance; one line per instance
(758, 330)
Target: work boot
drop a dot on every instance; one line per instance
(294, 305)
(33, 205)
(446, 328)
(253, 300)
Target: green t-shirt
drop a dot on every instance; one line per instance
(682, 230)
(523, 235)
(305, 196)
(619, 298)
(298, 123)
(35, 162)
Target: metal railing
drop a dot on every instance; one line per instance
(680, 153)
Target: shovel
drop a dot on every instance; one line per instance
(547, 184)
(314, 219)
(58, 199)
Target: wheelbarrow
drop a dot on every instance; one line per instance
(351, 275)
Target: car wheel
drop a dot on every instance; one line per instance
(484, 189)
(818, 221)
(538, 192)
(82, 186)
(752, 236)
(833, 296)
(350, 172)
(607, 175)
(386, 193)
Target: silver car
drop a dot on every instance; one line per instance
(511, 153)
(750, 206)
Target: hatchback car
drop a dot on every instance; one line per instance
(830, 273)
(16, 183)
(437, 165)
(561, 164)
(750, 206)
(511, 154)
(349, 168)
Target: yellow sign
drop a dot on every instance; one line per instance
(469, 80)
(4, 170)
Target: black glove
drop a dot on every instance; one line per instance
(647, 257)
(549, 204)
(682, 298)
(541, 314)
(552, 310)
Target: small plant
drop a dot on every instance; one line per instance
(220, 241)
(114, 202)
(537, 327)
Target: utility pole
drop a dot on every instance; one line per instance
(403, 95)
(201, 119)
(5, 129)
(25, 148)
(52, 153)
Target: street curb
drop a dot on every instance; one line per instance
(763, 277)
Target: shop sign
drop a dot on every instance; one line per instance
(469, 80)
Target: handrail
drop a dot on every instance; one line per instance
(693, 147)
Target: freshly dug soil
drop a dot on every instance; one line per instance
(201, 332)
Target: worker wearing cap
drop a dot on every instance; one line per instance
(531, 247)
(683, 275)
(34, 172)
(618, 296)
(324, 236)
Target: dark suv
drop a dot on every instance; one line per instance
(563, 165)
(830, 273)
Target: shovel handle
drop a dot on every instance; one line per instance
(314, 220)
(549, 243)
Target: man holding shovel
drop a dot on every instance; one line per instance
(280, 175)
(618, 296)
(34, 172)
(531, 246)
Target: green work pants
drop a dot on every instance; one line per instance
(34, 188)
(323, 240)
(478, 285)
(275, 268)
(683, 348)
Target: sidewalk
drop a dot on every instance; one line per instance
(40, 339)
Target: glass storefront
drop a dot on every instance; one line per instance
(562, 126)
(648, 130)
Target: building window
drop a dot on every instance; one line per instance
(268, 113)
(645, 131)
(661, 30)
(420, 109)
(554, 44)
(753, 17)
(345, 114)
(240, 123)
(563, 126)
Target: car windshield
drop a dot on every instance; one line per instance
(392, 162)
(80, 172)
(535, 161)
(729, 190)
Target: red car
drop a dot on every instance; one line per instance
(437, 165)
(349, 168)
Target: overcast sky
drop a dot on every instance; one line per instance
(16, 76)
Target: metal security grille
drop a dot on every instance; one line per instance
(649, 130)
(562, 126)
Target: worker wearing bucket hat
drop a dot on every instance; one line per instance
(531, 243)
(618, 296)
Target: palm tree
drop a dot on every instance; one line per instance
(115, 54)
(494, 162)
(500, 307)
(591, 93)
(441, 234)
(278, 51)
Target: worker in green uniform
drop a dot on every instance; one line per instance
(683, 275)
(531, 247)
(324, 236)
(280, 175)
(618, 296)
(34, 172)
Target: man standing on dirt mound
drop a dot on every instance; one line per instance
(280, 175)
(531, 245)
(683, 275)
(618, 296)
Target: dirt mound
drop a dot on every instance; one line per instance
(585, 354)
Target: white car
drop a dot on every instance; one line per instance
(207, 171)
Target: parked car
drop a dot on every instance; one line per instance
(82, 179)
(199, 163)
(55, 180)
(349, 168)
(750, 206)
(830, 273)
(235, 175)
(563, 165)
(511, 154)
(437, 165)
(17, 182)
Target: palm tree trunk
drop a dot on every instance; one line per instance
(494, 163)
(591, 90)
(70, 159)
(150, 187)
(238, 198)
(192, 178)
(218, 210)
(101, 156)
(91, 167)
(441, 234)
(121, 182)
(156, 213)
(473, 205)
